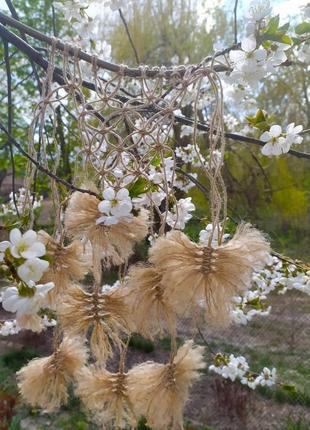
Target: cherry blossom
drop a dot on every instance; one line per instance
(180, 213)
(25, 245)
(115, 206)
(258, 10)
(275, 142)
(32, 270)
(30, 303)
(292, 134)
(4, 245)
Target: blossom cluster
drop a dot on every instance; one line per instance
(115, 206)
(255, 60)
(237, 368)
(20, 199)
(20, 257)
(11, 327)
(277, 276)
(24, 251)
(278, 142)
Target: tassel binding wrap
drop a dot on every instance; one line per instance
(196, 276)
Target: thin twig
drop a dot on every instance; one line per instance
(44, 169)
(129, 36)
(236, 21)
(10, 117)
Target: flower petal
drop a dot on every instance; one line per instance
(275, 130)
(265, 136)
(104, 206)
(35, 250)
(248, 44)
(4, 245)
(29, 237)
(108, 193)
(15, 236)
(122, 194)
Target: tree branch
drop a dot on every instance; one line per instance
(58, 77)
(82, 55)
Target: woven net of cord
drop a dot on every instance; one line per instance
(126, 124)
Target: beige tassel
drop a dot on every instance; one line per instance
(107, 314)
(151, 311)
(160, 391)
(43, 382)
(194, 274)
(67, 263)
(111, 244)
(108, 395)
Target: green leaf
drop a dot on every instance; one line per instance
(259, 120)
(284, 27)
(278, 37)
(156, 161)
(140, 186)
(273, 25)
(302, 28)
(289, 387)
(286, 39)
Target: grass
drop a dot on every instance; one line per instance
(297, 424)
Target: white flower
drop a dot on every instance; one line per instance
(249, 63)
(205, 234)
(148, 199)
(250, 381)
(25, 245)
(3, 247)
(248, 58)
(32, 270)
(25, 305)
(303, 53)
(115, 206)
(163, 173)
(115, 4)
(267, 377)
(292, 134)
(71, 9)
(306, 11)
(180, 213)
(107, 288)
(276, 144)
(9, 328)
(259, 9)
(46, 322)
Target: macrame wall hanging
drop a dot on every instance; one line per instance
(125, 118)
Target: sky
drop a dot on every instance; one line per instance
(285, 8)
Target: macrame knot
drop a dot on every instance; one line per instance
(143, 71)
(123, 69)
